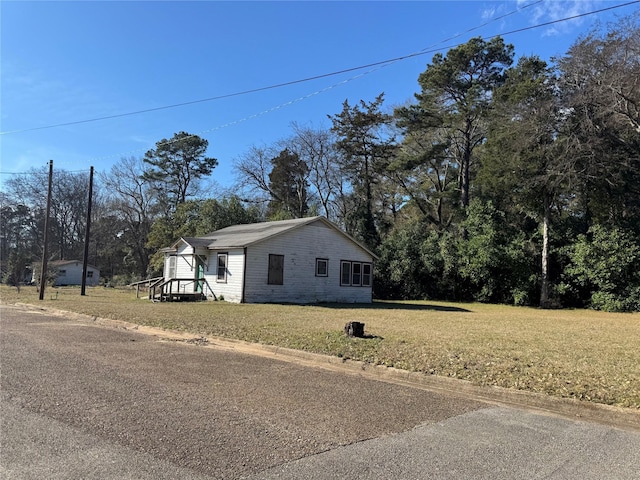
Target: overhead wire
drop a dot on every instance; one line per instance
(381, 63)
(375, 66)
(372, 67)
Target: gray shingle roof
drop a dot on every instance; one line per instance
(244, 235)
(239, 236)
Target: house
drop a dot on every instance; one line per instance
(305, 260)
(68, 272)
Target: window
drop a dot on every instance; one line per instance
(172, 266)
(276, 270)
(366, 274)
(62, 273)
(322, 267)
(345, 273)
(89, 273)
(222, 268)
(355, 274)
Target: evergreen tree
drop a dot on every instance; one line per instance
(366, 148)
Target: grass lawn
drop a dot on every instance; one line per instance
(587, 355)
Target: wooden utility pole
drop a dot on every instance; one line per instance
(45, 252)
(85, 259)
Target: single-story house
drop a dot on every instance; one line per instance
(305, 260)
(68, 272)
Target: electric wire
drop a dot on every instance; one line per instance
(326, 75)
(376, 66)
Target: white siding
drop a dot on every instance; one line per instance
(300, 248)
(73, 275)
(185, 268)
(231, 290)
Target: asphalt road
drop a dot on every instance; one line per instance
(83, 400)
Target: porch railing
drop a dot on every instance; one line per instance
(174, 289)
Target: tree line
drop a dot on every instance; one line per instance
(503, 181)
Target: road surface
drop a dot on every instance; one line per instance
(85, 400)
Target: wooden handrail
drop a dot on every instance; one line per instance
(161, 285)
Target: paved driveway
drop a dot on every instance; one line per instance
(83, 400)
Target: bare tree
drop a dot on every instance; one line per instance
(316, 147)
(252, 173)
(131, 198)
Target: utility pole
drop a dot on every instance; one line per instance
(45, 252)
(86, 236)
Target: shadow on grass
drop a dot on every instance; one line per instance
(382, 305)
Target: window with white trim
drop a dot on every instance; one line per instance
(345, 273)
(366, 274)
(355, 274)
(172, 266)
(322, 267)
(221, 276)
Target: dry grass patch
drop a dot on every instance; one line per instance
(583, 354)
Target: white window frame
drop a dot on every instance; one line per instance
(345, 267)
(367, 277)
(225, 258)
(171, 270)
(360, 274)
(319, 262)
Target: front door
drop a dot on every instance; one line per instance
(199, 274)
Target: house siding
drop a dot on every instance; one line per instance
(300, 248)
(231, 290)
(73, 275)
(185, 267)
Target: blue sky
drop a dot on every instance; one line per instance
(66, 62)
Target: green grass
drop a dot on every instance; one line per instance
(587, 355)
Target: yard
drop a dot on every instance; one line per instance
(582, 354)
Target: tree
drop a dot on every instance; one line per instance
(606, 262)
(130, 199)
(199, 218)
(365, 146)
(252, 173)
(19, 227)
(454, 101)
(423, 169)
(68, 207)
(527, 162)
(175, 167)
(600, 88)
(317, 149)
(288, 185)
(16, 268)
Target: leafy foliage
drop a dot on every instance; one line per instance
(607, 263)
(499, 183)
(176, 165)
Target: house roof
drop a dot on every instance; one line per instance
(244, 235)
(62, 263)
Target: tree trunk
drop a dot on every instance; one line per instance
(544, 287)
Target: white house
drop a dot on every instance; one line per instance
(68, 272)
(306, 260)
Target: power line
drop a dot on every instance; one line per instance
(381, 63)
(43, 173)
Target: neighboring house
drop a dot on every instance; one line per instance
(306, 260)
(68, 272)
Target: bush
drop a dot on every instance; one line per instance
(606, 263)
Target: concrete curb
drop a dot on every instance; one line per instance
(622, 418)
